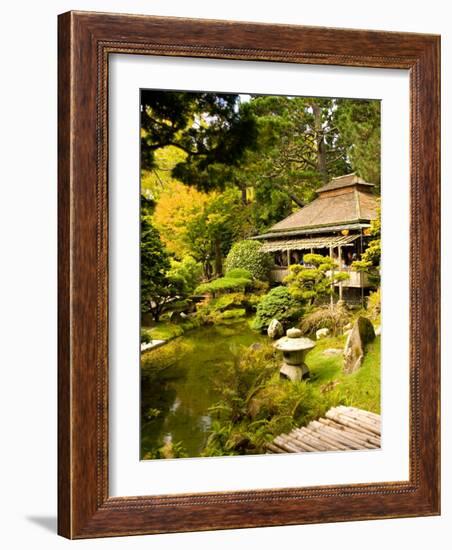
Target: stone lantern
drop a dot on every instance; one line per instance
(295, 348)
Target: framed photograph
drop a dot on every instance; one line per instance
(248, 283)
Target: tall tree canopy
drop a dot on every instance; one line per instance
(300, 141)
(276, 150)
(203, 225)
(157, 179)
(209, 128)
(359, 124)
(177, 208)
(303, 142)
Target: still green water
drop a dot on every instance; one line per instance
(190, 386)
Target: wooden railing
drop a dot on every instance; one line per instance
(356, 279)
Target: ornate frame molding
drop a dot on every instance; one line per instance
(85, 42)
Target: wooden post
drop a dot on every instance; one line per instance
(339, 255)
(360, 255)
(288, 258)
(332, 275)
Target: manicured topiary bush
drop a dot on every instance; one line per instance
(248, 255)
(229, 301)
(238, 273)
(224, 284)
(277, 304)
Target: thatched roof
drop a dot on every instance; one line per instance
(344, 203)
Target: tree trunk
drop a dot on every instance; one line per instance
(321, 146)
(218, 258)
(156, 314)
(243, 191)
(207, 270)
(156, 309)
(242, 188)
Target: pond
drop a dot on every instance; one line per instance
(175, 407)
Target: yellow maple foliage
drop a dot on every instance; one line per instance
(177, 206)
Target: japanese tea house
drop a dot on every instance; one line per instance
(336, 223)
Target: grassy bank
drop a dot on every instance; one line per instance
(360, 389)
(165, 330)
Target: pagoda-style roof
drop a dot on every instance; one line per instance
(349, 180)
(346, 202)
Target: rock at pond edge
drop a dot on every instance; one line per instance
(322, 333)
(275, 329)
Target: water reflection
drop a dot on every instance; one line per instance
(174, 407)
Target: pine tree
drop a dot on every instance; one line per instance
(157, 288)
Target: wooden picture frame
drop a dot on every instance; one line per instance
(86, 40)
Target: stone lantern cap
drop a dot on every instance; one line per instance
(294, 341)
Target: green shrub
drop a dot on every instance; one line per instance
(287, 404)
(248, 255)
(249, 301)
(374, 304)
(166, 330)
(226, 306)
(253, 300)
(314, 281)
(228, 301)
(205, 316)
(145, 337)
(188, 271)
(256, 405)
(238, 273)
(260, 287)
(371, 257)
(233, 313)
(277, 304)
(168, 450)
(178, 305)
(333, 318)
(159, 363)
(224, 284)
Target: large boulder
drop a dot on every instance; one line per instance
(362, 333)
(275, 329)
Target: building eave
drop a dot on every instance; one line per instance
(275, 234)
